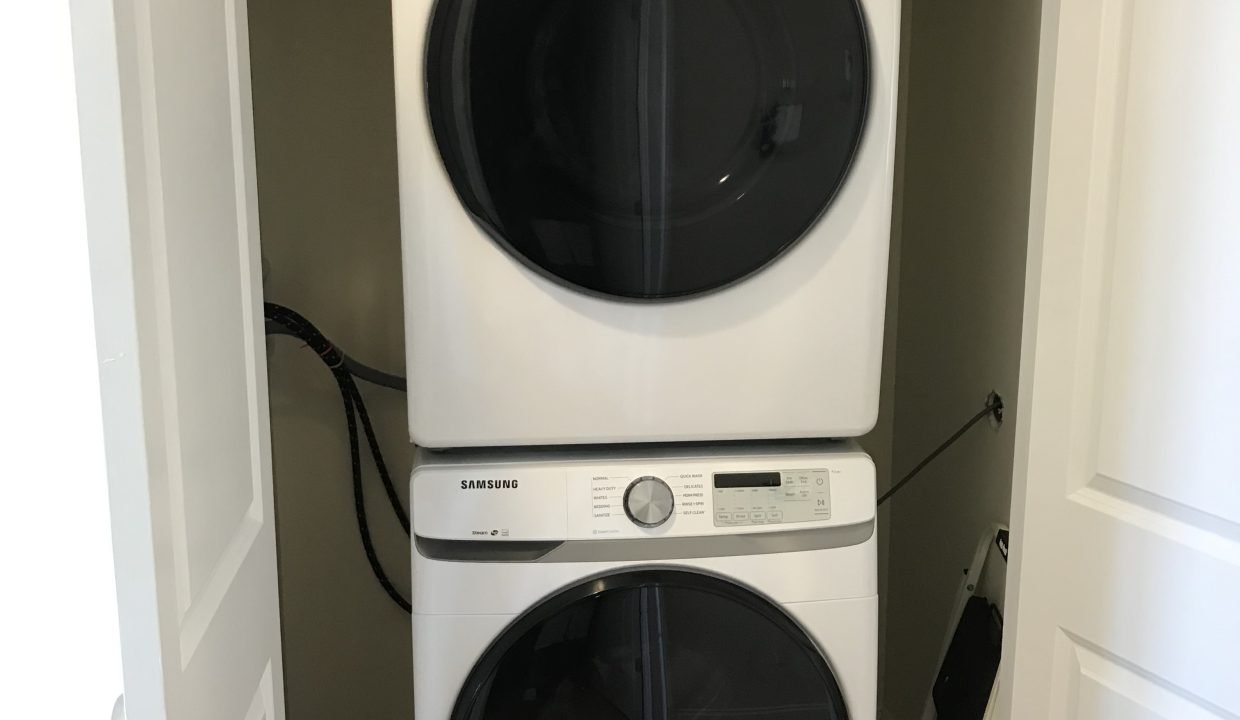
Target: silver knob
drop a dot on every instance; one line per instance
(648, 501)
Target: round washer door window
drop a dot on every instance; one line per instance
(647, 149)
(652, 645)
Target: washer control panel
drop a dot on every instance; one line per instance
(648, 501)
(658, 496)
(624, 504)
(771, 497)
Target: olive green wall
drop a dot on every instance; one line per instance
(325, 137)
(970, 77)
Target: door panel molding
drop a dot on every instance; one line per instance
(262, 706)
(1153, 513)
(1104, 685)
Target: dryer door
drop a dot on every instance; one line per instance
(652, 645)
(647, 148)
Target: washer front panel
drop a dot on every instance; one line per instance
(582, 501)
(644, 644)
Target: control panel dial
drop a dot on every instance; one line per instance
(648, 501)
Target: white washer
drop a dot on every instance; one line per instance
(644, 220)
(705, 583)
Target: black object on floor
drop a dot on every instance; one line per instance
(963, 686)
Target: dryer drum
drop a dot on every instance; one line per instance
(647, 149)
(652, 645)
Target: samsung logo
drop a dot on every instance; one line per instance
(488, 484)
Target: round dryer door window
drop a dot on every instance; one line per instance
(647, 149)
(652, 645)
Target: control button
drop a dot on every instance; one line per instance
(740, 516)
(774, 516)
(758, 516)
(648, 501)
(723, 517)
(818, 481)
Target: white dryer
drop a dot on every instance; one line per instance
(644, 220)
(715, 583)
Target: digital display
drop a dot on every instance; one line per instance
(727, 481)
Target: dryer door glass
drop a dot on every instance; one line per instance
(653, 645)
(647, 148)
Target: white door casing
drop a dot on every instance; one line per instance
(168, 161)
(1125, 579)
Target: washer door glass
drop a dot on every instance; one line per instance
(652, 645)
(647, 148)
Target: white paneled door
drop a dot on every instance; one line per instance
(1127, 521)
(168, 157)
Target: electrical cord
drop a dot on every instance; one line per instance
(306, 331)
(360, 406)
(360, 370)
(994, 408)
(290, 322)
(359, 507)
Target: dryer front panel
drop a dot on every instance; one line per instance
(576, 177)
(652, 644)
(647, 149)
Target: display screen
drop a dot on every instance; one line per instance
(746, 480)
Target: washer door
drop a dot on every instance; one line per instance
(652, 645)
(647, 148)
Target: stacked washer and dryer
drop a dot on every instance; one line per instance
(645, 248)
